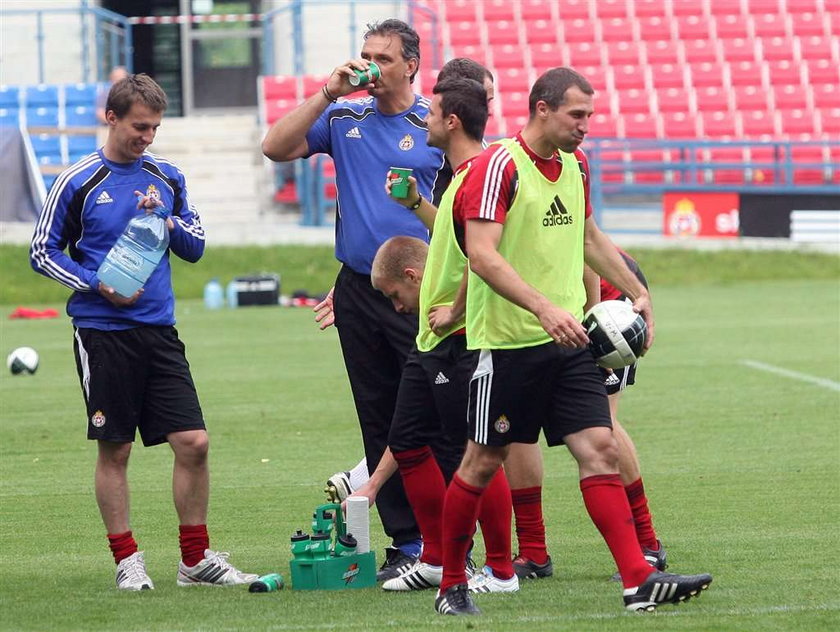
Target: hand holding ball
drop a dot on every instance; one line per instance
(616, 333)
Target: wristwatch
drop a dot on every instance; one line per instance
(417, 204)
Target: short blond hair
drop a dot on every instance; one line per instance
(395, 255)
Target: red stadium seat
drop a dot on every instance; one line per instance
(597, 77)
(707, 74)
(546, 55)
(514, 124)
(685, 7)
(826, 95)
(746, 73)
(648, 8)
(831, 122)
(785, 72)
(612, 9)
(668, 75)
(777, 49)
(810, 164)
(612, 165)
(724, 7)
(472, 51)
(617, 30)
(502, 33)
(640, 125)
(674, 100)
(736, 50)
(755, 7)
(495, 127)
(822, 71)
(603, 125)
(758, 124)
(662, 52)
(628, 76)
(536, 10)
(633, 100)
(654, 27)
(276, 108)
(798, 123)
(717, 124)
(464, 34)
(461, 10)
(728, 162)
(693, 27)
(790, 97)
(572, 9)
(620, 53)
(712, 98)
(818, 47)
(647, 165)
(750, 98)
(313, 83)
(513, 80)
(678, 125)
(732, 26)
(498, 10)
(514, 103)
(583, 54)
(769, 24)
(699, 51)
(508, 56)
(807, 24)
(767, 159)
(802, 6)
(578, 30)
(541, 32)
(279, 87)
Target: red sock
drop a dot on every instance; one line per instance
(122, 545)
(641, 515)
(607, 505)
(494, 514)
(193, 539)
(460, 510)
(530, 528)
(425, 489)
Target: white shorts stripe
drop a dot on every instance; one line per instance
(483, 382)
(83, 360)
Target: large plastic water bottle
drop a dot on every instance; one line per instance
(233, 294)
(213, 294)
(136, 254)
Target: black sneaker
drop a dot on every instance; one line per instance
(529, 569)
(662, 587)
(456, 600)
(396, 563)
(658, 559)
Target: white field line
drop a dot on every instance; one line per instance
(802, 377)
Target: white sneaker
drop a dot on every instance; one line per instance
(213, 570)
(338, 487)
(131, 573)
(419, 576)
(485, 582)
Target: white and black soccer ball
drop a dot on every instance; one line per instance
(23, 361)
(616, 333)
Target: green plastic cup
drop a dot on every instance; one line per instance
(364, 77)
(399, 182)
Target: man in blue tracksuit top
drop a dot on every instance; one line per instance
(366, 136)
(131, 364)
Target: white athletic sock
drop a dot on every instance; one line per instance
(359, 475)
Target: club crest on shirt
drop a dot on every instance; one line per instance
(98, 419)
(407, 142)
(502, 424)
(153, 192)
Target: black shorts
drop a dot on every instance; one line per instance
(619, 379)
(515, 393)
(432, 399)
(136, 378)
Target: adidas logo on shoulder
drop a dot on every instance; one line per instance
(354, 133)
(104, 198)
(557, 214)
(441, 378)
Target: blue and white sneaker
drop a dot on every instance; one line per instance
(213, 570)
(485, 582)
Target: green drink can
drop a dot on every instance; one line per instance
(267, 583)
(399, 182)
(363, 77)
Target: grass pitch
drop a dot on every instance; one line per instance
(740, 463)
